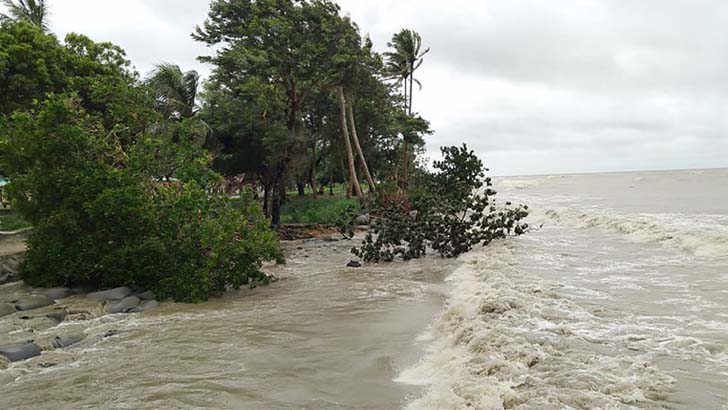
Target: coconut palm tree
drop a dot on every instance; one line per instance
(406, 58)
(176, 95)
(402, 63)
(176, 91)
(31, 11)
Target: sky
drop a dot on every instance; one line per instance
(534, 87)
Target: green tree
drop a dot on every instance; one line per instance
(403, 61)
(282, 48)
(31, 65)
(112, 200)
(31, 11)
(449, 211)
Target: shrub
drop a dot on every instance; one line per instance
(449, 211)
(132, 211)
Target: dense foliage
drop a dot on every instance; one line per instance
(449, 211)
(115, 198)
(120, 178)
(298, 95)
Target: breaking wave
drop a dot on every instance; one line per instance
(510, 341)
(701, 235)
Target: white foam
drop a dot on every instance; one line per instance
(505, 342)
(701, 235)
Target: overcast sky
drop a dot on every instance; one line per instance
(536, 87)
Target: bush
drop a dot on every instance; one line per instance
(449, 211)
(131, 211)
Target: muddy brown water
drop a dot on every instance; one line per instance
(324, 336)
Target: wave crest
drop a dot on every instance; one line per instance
(701, 235)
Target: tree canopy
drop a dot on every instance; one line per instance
(115, 199)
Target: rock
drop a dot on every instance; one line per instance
(58, 314)
(111, 294)
(353, 264)
(16, 353)
(33, 302)
(6, 309)
(57, 293)
(148, 295)
(66, 341)
(330, 239)
(362, 220)
(125, 305)
(150, 304)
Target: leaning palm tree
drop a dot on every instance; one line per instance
(402, 63)
(31, 11)
(176, 94)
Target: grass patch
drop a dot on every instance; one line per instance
(12, 222)
(323, 210)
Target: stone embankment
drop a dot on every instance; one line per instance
(30, 319)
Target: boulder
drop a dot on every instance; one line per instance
(111, 294)
(125, 305)
(58, 314)
(6, 309)
(57, 293)
(149, 304)
(19, 352)
(330, 239)
(353, 264)
(65, 341)
(33, 302)
(362, 220)
(148, 295)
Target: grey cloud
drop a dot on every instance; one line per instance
(533, 86)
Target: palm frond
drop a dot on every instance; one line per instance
(175, 91)
(32, 11)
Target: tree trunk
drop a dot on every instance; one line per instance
(275, 208)
(278, 194)
(347, 181)
(331, 181)
(411, 87)
(312, 175)
(350, 155)
(405, 163)
(301, 187)
(406, 100)
(266, 199)
(354, 134)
